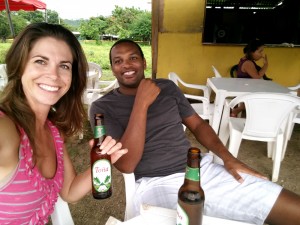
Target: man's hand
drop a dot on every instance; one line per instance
(147, 92)
(111, 147)
(233, 166)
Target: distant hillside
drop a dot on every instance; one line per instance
(73, 23)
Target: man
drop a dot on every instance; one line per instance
(147, 115)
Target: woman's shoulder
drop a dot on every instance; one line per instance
(9, 139)
(249, 62)
(244, 59)
(7, 126)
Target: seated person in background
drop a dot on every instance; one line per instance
(247, 68)
(146, 116)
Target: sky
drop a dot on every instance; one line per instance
(77, 9)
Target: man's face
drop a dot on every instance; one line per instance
(127, 65)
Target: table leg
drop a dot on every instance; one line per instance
(219, 103)
(224, 127)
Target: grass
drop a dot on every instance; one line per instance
(97, 52)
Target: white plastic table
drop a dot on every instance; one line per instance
(232, 87)
(151, 215)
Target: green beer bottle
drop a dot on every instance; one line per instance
(190, 195)
(100, 163)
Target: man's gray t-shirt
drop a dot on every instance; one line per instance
(166, 144)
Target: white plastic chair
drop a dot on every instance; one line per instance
(3, 76)
(92, 94)
(204, 109)
(266, 120)
(294, 89)
(94, 75)
(61, 214)
(95, 93)
(129, 180)
(295, 118)
(93, 78)
(216, 72)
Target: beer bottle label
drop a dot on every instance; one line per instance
(101, 175)
(182, 217)
(192, 174)
(99, 131)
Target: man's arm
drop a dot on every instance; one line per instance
(208, 138)
(134, 136)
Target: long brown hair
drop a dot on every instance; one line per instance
(68, 113)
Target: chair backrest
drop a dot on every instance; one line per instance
(295, 90)
(3, 76)
(177, 80)
(108, 86)
(94, 74)
(216, 72)
(266, 113)
(202, 108)
(233, 71)
(61, 214)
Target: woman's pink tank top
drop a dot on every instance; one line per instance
(28, 197)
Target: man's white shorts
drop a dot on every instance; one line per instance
(250, 201)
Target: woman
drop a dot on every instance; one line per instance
(247, 68)
(39, 108)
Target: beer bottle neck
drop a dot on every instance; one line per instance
(193, 165)
(99, 129)
(193, 159)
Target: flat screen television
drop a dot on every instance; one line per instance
(234, 22)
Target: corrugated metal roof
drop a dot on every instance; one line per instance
(244, 3)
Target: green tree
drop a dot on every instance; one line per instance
(52, 17)
(18, 22)
(93, 28)
(121, 20)
(32, 16)
(4, 27)
(20, 19)
(140, 29)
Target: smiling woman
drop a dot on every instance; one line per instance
(41, 106)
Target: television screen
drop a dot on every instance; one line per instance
(275, 22)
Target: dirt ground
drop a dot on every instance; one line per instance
(96, 212)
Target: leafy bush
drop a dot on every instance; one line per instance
(3, 49)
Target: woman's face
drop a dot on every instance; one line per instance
(48, 72)
(258, 54)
